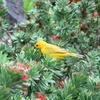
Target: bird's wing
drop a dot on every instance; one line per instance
(55, 49)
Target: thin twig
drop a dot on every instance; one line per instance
(79, 26)
(77, 49)
(7, 33)
(48, 12)
(88, 29)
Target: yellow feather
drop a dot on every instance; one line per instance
(55, 51)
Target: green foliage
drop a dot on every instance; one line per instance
(4, 95)
(3, 22)
(42, 75)
(77, 29)
(11, 76)
(27, 5)
(5, 26)
(10, 83)
(19, 97)
(2, 9)
(4, 60)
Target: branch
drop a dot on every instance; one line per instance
(7, 33)
(77, 49)
(48, 12)
(88, 29)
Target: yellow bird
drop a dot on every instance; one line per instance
(54, 50)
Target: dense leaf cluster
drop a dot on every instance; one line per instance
(69, 24)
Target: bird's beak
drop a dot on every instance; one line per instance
(34, 47)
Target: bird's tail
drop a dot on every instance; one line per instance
(76, 55)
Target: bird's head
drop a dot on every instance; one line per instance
(40, 44)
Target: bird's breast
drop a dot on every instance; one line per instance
(44, 52)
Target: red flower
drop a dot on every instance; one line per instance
(83, 27)
(35, 62)
(27, 67)
(16, 70)
(69, 4)
(98, 85)
(24, 77)
(61, 84)
(75, 0)
(9, 68)
(72, 1)
(23, 92)
(55, 37)
(95, 14)
(80, 75)
(78, 0)
(21, 65)
(40, 96)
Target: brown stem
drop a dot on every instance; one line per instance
(88, 29)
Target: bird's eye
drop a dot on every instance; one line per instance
(37, 45)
